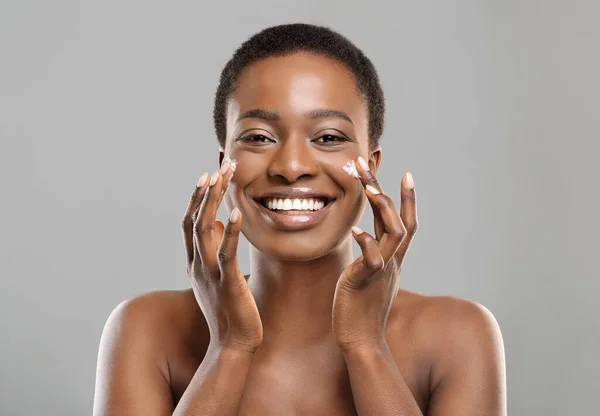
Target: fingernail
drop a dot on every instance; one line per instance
(224, 167)
(409, 181)
(372, 190)
(235, 215)
(363, 164)
(202, 180)
(357, 230)
(350, 169)
(213, 178)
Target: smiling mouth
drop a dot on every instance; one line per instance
(294, 205)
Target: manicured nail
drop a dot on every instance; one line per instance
(372, 190)
(363, 164)
(409, 181)
(357, 230)
(235, 215)
(224, 167)
(213, 178)
(202, 180)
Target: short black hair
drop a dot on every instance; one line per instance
(287, 39)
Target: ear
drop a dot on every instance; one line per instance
(375, 159)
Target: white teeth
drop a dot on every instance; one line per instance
(296, 204)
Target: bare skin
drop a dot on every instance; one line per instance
(311, 330)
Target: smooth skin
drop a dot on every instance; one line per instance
(310, 330)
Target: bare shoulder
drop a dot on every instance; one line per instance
(155, 309)
(133, 358)
(451, 320)
(441, 310)
(454, 332)
(159, 317)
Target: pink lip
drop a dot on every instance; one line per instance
(293, 221)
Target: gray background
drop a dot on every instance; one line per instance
(105, 127)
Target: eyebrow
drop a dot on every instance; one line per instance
(319, 113)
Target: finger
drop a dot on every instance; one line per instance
(394, 231)
(219, 227)
(227, 170)
(187, 224)
(224, 185)
(408, 213)
(204, 227)
(227, 252)
(368, 178)
(366, 265)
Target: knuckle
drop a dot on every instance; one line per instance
(375, 263)
(385, 201)
(411, 197)
(375, 266)
(187, 223)
(398, 231)
(371, 178)
(201, 230)
(195, 195)
(412, 227)
(223, 256)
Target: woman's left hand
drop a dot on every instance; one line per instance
(367, 288)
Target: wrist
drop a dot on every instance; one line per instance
(364, 349)
(233, 350)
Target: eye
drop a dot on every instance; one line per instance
(331, 139)
(255, 138)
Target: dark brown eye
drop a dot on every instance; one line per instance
(330, 138)
(255, 138)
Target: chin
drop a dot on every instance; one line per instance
(300, 249)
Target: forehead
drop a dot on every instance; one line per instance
(296, 84)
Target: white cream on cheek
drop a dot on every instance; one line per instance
(350, 169)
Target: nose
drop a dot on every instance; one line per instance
(293, 160)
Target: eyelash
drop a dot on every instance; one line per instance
(249, 137)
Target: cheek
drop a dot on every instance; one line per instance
(248, 167)
(334, 166)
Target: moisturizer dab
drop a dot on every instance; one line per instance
(232, 162)
(350, 169)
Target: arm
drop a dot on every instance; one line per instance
(218, 385)
(470, 379)
(129, 377)
(133, 377)
(377, 384)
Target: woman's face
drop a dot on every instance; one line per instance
(292, 124)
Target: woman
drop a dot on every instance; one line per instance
(311, 330)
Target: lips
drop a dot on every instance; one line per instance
(291, 222)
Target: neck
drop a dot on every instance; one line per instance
(295, 298)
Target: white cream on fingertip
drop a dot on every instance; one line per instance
(232, 163)
(350, 169)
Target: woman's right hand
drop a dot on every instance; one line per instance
(219, 287)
